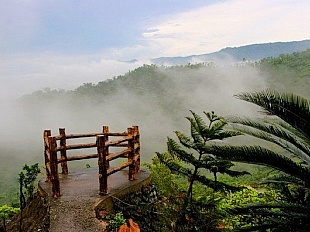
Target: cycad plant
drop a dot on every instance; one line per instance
(291, 131)
(189, 158)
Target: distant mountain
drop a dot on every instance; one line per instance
(252, 52)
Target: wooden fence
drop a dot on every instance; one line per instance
(130, 140)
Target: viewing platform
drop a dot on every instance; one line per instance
(76, 199)
(79, 202)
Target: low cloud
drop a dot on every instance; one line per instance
(230, 23)
(26, 74)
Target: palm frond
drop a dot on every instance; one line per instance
(236, 173)
(293, 208)
(271, 127)
(261, 156)
(292, 108)
(275, 226)
(290, 134)
(282, 178)
(279, 122)
(285, 125)
(273, 133)
(278, 216)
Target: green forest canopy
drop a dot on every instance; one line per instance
(149, 95)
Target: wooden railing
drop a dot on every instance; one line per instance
(130, 140)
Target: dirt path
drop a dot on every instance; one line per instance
(74, 214)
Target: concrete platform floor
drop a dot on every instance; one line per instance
(74, 210)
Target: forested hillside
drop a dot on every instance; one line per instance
(284, 71)
(288, 72)
(252, 52)
(156, 98)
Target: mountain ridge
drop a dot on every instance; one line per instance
(252, 52)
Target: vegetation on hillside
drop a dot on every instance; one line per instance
(284, 204)
(288, 72)
(297, 61)
(188, 159)
(164, 87)
(153, 78)
(292, 133)
(162, 95)
(26, 193)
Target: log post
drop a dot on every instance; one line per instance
(105, 131)
(103, 173)
(63, 151)
(54, 168)
(47, 154)
(136, 141)
(132, 170)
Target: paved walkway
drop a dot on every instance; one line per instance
(75, 209)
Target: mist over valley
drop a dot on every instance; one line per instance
(156, 98)
(219, 91)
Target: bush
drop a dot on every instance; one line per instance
(117, 221)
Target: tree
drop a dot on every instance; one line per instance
(26, 181)
(291, 131)
(7, 212)
(189, 158)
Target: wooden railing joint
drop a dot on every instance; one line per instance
(130, 141)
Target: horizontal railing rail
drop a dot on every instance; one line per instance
(53, 145)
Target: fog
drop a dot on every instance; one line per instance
(25, 74)
(204, 89)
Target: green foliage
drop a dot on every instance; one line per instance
(258, 173)
(193, 154)
(30, 177)
(153, 85)
(9, 194)
(172, 189)
(189, 160)
(298, 61)
(291, 211)
(290, 72)
(117, 221)
(241, 198)
(287, 206)
(167, 184)
(7, 212)
(27, 181)
(287, 106)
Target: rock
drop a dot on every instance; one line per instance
(139, 206)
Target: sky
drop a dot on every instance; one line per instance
(63, 44)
